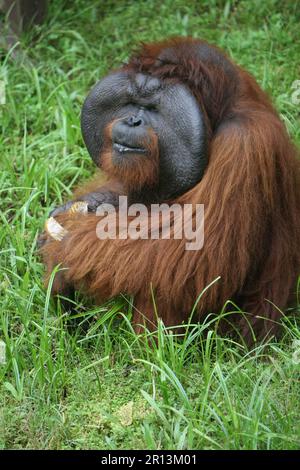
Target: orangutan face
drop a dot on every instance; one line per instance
(147, 133)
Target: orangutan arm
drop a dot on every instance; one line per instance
(76, 254)
(94, 193)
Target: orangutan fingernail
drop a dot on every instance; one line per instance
(54, 229)
(80, 207)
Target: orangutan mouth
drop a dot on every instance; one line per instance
(121, 148)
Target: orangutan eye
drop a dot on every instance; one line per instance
(151, 107)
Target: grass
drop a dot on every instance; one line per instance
(89, 382)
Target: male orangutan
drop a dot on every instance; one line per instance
(181, 123)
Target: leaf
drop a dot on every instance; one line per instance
(125, 414)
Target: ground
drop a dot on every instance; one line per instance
(89, 382)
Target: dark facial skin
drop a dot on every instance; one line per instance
(135, 104)
(141, 102)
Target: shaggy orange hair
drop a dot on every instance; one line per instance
(251, 194)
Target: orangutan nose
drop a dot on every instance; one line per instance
(130, 131)
(134, 121)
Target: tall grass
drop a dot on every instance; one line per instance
(67, 379)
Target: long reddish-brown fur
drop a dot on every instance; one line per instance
(251, 194)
